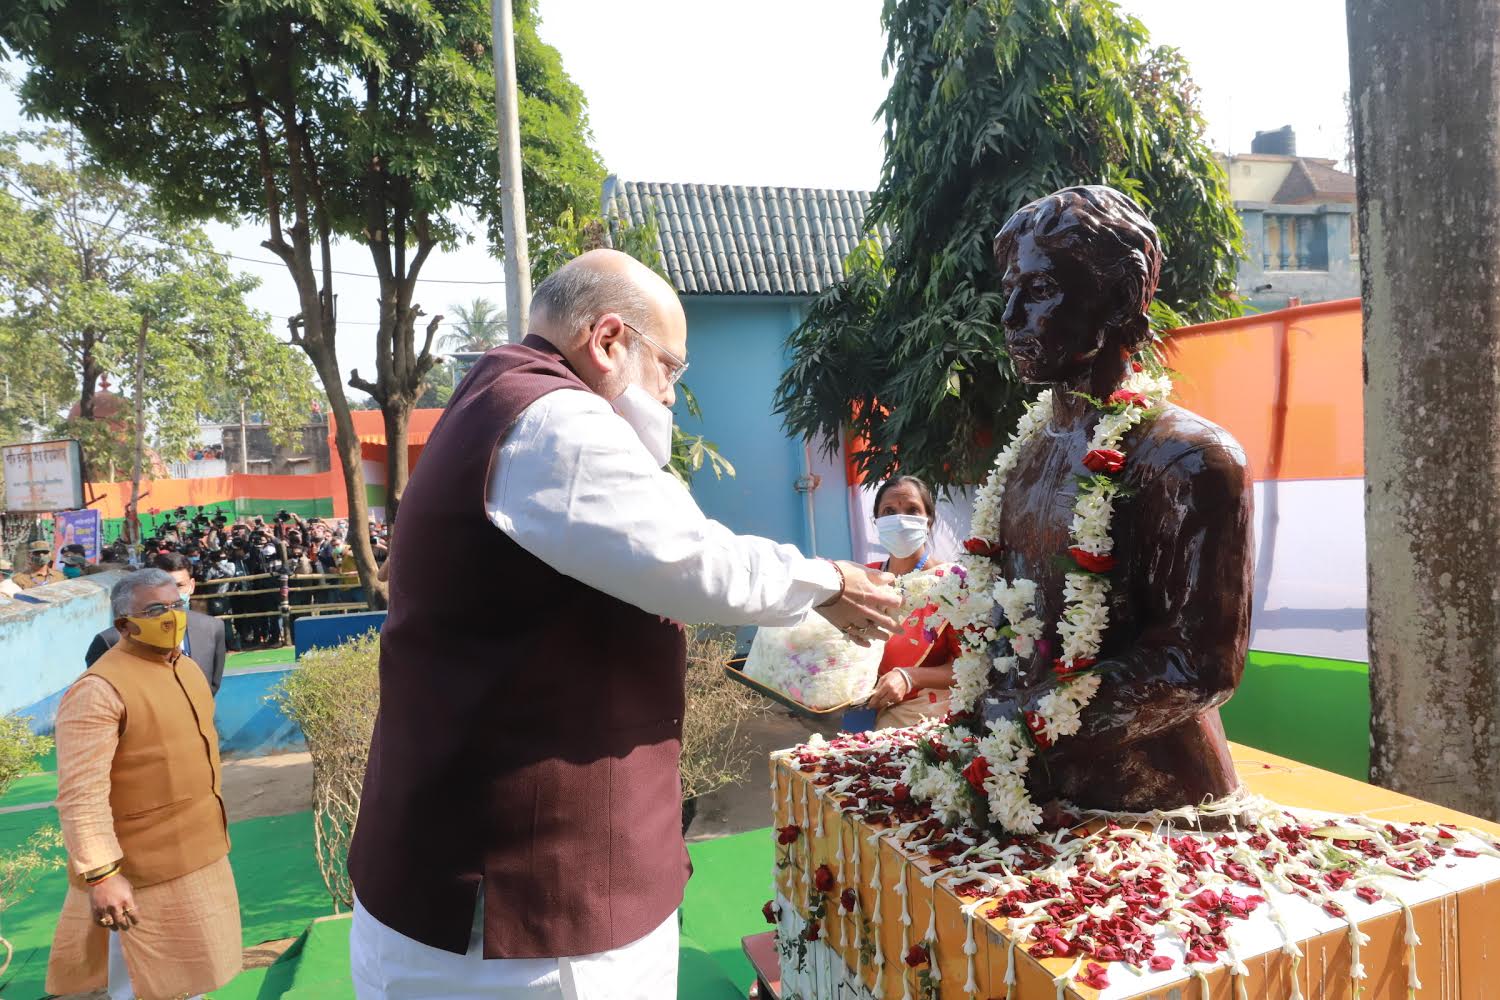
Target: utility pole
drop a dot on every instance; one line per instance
(244, 440)
(140, 430)
(512, 197)
(1424, 85)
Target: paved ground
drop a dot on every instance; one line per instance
(746, 805)
(268, 786)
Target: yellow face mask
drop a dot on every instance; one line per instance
(165, 631)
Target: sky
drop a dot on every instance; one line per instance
(784, 92)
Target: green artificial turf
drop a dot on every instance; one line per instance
(275, 871)
(259, 658)
(731, 882)
(30, 790)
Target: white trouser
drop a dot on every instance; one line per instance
(388, 965)
(119, 987)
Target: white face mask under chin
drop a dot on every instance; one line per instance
(651, 421)
(902, 535)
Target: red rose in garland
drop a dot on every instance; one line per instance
(788, 834)
(1091, 562)
(823, 879)
(849, 899)
(1036, 724)
(770, 911)
(976, 772)
(1127, 398)
(810, 932)
(1105, 460)
(981, 547)
(916, 956)
(1063, 668)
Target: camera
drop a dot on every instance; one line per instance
(283, 516)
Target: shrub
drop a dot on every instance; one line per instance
(715, 750)
(333, 695)
(20, 866)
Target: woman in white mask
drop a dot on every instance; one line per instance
(906, 691)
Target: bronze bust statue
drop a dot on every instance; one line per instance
(1081, 267)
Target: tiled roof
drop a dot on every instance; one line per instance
(725, 239)
(1312, 181)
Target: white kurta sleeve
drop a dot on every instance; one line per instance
(573, 485)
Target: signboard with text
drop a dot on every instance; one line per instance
(78, 527)
(43, 476)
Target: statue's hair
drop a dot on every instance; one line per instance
(1108, 230)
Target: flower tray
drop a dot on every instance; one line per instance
(735, 671)
(859, 914)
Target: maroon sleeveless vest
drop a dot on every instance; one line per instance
(529, 726)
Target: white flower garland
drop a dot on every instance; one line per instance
(983, 608)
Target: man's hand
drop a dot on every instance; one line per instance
(113, 904)
(863, 611)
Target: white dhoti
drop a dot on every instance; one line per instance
(388, 965)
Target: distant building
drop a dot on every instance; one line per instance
(307, 453)
(747, 262)
(1299, 219)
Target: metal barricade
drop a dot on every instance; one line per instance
(282, 585)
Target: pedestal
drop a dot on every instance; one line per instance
(1454, 908)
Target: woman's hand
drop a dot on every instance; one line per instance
(891, 689)
(113, 904)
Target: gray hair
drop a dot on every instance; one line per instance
(573, 297)
(122, 594)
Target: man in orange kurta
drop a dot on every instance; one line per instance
(151, 909)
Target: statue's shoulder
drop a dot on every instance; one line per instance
(1185, 445)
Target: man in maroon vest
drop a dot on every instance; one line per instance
(520, 829)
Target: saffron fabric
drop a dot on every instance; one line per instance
(188, 940)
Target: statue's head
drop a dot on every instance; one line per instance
(1080, 268)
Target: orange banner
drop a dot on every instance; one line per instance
(166, 494)
(1288, 384)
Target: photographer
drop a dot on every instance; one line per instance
(221, 564)
(263, 557)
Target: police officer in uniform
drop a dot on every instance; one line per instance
(41, 570)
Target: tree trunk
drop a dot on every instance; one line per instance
(89, 382)
(347, 442)
(1425, 83)
(397, 414)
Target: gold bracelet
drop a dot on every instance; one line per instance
(843, 585)
(99, 875)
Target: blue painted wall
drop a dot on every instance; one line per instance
(43, 636)
(42, 642)
(737, 347)
(249, 723)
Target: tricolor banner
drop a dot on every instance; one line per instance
(1288, 386)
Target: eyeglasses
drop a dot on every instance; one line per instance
(678, 367)
(158, 609)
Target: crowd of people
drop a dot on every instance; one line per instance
(313, 553)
